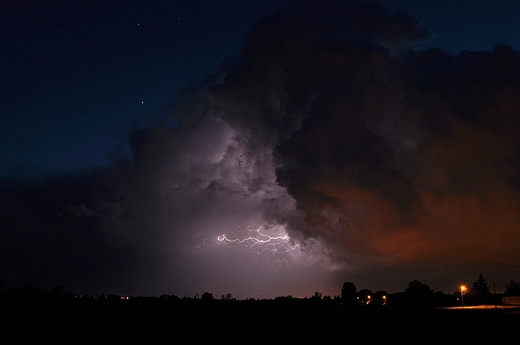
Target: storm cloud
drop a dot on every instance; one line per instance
(388, 152)
(331, 128)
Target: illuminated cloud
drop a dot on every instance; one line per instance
(405, 156)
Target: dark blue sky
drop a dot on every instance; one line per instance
(78, 77)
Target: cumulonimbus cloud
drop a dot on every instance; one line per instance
(386, 151)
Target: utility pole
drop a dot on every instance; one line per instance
(462, 289)
(494, 295)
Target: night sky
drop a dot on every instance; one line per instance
(259, 148)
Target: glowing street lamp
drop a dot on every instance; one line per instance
(462, 289)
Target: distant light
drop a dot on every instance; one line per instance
(462, 289)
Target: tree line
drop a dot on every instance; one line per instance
(416, 294)
(421, 295)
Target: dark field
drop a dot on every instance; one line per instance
(151, 320)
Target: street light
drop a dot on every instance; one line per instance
(462, 289)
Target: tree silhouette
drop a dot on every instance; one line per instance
(480, 290)
(227, 297)
(365, 296)
(512, 288)
(348, 294)
(57, 291)
(207, 296)
(317, 295)
(380, 297)
(416, 287)
(418, 294)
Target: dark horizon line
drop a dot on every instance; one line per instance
(58, 290)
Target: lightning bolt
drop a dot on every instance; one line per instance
(260, 241)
